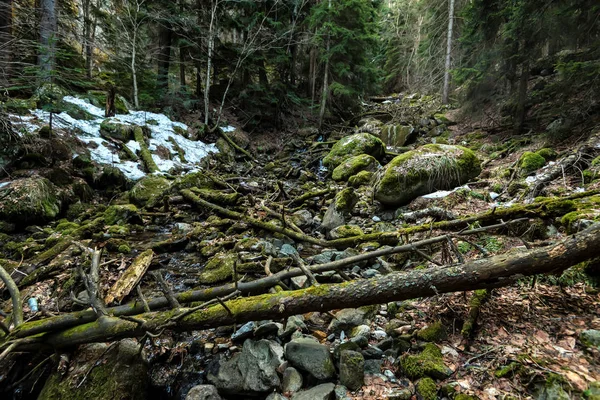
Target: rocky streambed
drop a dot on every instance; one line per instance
(173, 224)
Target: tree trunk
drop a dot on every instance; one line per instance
(325, 78)
(164, 58)
(87, 37)
(445, 92)
(522, 98)
(5, 41)
(211, 44)
(47, 39)
(486, 273)
(136, 101)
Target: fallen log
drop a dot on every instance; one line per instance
(485, 273)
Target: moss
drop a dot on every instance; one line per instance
(345, 231)
(508, 370)
(353, 145)
(218, 268)
(427, 389)
(515, 187)
(118, 230)
(20, 106)
(148, 191)
(218, 196)
(178, 149)
(30, 200)
(462, 396)
(531, 162)
(345, 200)
(360, 179)
(66, 228)
(145, 154)
(122, 214)
(547, 153)
(428, 363)
(589, 176)
(433, 333)
(596, 161)
(124, 249)
(417, 172)
(195, 179)
(116, 130)
(354, 165)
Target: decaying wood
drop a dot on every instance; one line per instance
(15, 295)
(485, 273)
(91, 281)
(234, 144)
(130, 278)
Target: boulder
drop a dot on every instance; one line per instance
(349, 318)
(425, 170)
(29, 201)
(352, 373)
(342, 205)
(116, 373)
(203, 392)
(321, 392)
(354, 145)
(218, 268)
(354, 165)
(292, 380)
(253, 370)
(590, 338)
(194, 179)
(149, 190)
(310, 356)
(396, 135)
(115, 130)
(122, 214)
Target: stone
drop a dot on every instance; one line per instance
(399, 394)
(29, 201)
(311, 357)
(122, 374)
(361, 179)
(424, 170)
(122, 214)
(253, 370)
(360, 330)
(590, 338)
(372, 352)
(353, 145)
(203, 392)
(321, 392)
(293, 324)
(149, 190)
(287, 250)
(292, 380)
(348, 345)
(276, 396)
(379, 334)
(594, 391)
(553, 389)
(244, 332)
(352, 364)
(340, 207)
(428, 363)
(354, 165)
(302, 218)
(341, 392)
(218, 268)
(266, 329)
(349, 318)
(115, 130)
(396, 135)
(373, 367)
(345, 231)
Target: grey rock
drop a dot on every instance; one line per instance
(389, 375)
(252, 370)
(292, 380)
(361, 330)
(347, 319)
(361, 341)
(590, 338)
(379, 334)
(352, 365)
(373, 367)
(341, 392)
(276, 396)
(287, 250)
(244, 332)
(203, 392)
(293, 324)
(270, 328)
(552, 391)
(321, 392)
(349, 345)
(372, 352)
(400, 394)
(302, 218)
(311, 357)
(370, 273)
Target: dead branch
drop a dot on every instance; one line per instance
(15, 295)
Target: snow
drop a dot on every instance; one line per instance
(444, 193)
(162, 132)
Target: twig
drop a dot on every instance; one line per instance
(166, 289)
(142, 298)
(300, 264)
(15, 295)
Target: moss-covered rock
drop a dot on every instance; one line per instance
(593, 391)
(149, 190)
(218, 268)
(433, 332)
(98, 98)
(360, 179)
(342, 204)
(345, 231)
(116, 130)
(354, 165)
(29, 200)
(548, 153)
(428, 363)
(427, 389)
(590, 338)
(553, 389)
(110, 179)
(418, 172)
(352, 369)
(396, 135)
(20, 106)
(115, 373)
(218, 196)
(530, 162)
(122, 214)
(195, 179)
(353, 145)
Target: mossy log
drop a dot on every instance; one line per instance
(477, 300)
(486, 273)
(145, 154)
(234, 144)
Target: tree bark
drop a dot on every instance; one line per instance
(48, 38)
(486, 273)
(445, 93)
(5, 40)
(164, 58)
(325, 78)
(210, 45)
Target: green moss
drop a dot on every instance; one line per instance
(115, 130)
(354, 165)
(148, 191)
(30, 200)
(345, 200)
(589, 176)
(124, 249)
(218, 196)
(145, 154)
(547, 153)
(65, 227)
(353, 145)
(427, 389)
(20, 106)
(345, 231)
(508, 370)
(195, 179)
(178, 149)
(596, 161)
(118, 230)
(462, 396)
(428, 363)
(531, 162)
(433, 333)
(218, 268)
(360, 179)
(122, 214)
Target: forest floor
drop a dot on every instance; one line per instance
(526, 343)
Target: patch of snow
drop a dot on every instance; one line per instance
(494, 195)
(228, 128)
(162, 132)
(3, 184)
(440, 194)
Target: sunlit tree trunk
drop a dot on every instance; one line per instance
(445, 92)
(47, 53)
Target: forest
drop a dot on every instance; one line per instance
(300, 199)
